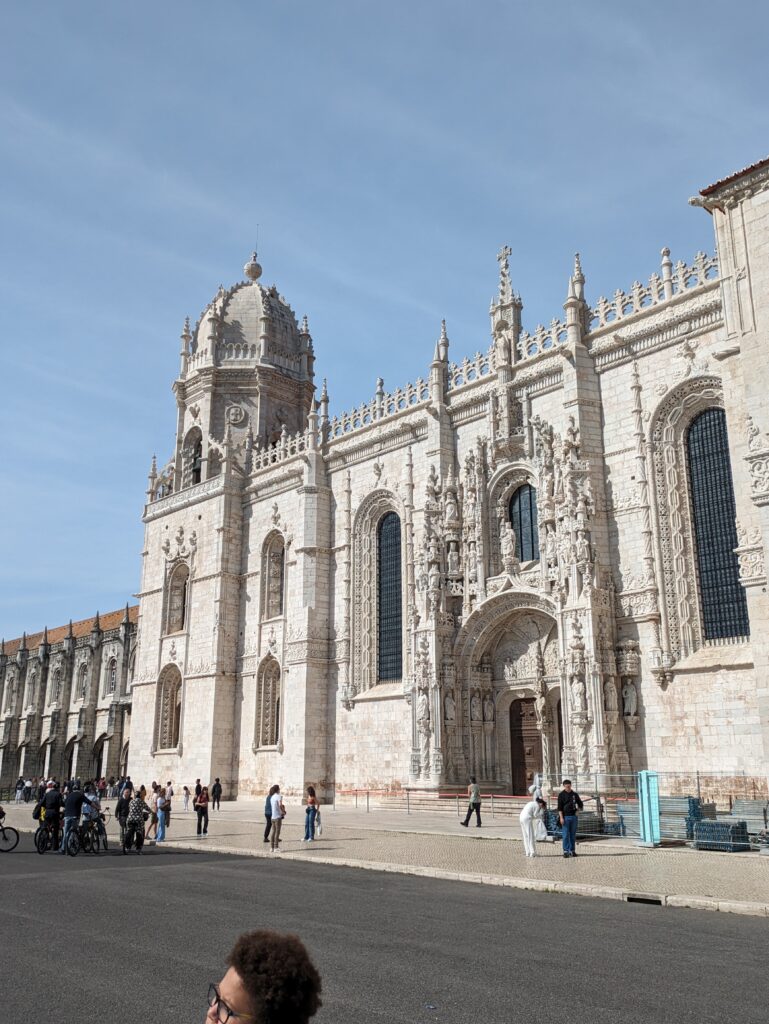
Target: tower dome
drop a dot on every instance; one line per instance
(250, 324)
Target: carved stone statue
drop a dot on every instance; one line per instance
(629, 699)
(449, 708)
(423, 709)
(578, 695)
(582, 547)
(610, 695)
(453, 560)
(551, 547)
(488, 708)
(507, 543)
(452, 511)
(476, 711)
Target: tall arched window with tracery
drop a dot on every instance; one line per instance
(111, 682)
(523, 518)
(274, 567)
(267, 726)
(192, 458)
(723, 604)
(178, 585)
(389, 600)
(169, 708)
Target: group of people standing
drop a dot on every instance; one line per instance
(275, 812)
(532, 816)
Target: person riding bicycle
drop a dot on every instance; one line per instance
(134, 826)
(92, 810)
(51, 805)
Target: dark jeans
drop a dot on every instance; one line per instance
(215, 803)
(202, 820)
(569, 832)
(468, 816)
(267, 827)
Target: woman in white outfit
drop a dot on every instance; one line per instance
(532, 812)
(540, 828)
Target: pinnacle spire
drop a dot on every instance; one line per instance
(252, 269)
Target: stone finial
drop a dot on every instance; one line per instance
(70, 634)
(442, 348)
(505, 287)
(23, 645)
(252, 269)
(305, 325)
(186, 334)
(324, 403)
(126, 617)
(96, 624)
(45, 635)
(579, 278)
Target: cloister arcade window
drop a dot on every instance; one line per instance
(178, 584)
(192, 458)
(82, 682)
(268, 704)
(523, 518)
(169, 710)
(389, 599)
(723, 604)
(274, 563)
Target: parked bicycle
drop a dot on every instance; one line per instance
(86, 837)
(45, 836)
(9, 837)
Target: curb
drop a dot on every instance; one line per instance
(743, 907)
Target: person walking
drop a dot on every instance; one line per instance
(161, 806)
(569, 803)
(153, 822)
(532, 812)
(186, 797)
(169, 798)
(216, 795)
(310, 814)
(198, 788)
(201, 806)
(277, 813)
(27, 790)
(474, 804)
(268, 813)
(19, 789)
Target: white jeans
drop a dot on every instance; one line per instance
(527, 831)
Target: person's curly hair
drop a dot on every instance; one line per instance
(278, 975)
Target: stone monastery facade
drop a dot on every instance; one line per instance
(549, 556)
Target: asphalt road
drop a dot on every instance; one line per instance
(119, 939)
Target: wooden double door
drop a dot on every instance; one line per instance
(525, 744)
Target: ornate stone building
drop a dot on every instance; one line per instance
(65, 699)
(547, 556)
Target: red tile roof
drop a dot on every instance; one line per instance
(110, 620)
(733, 177)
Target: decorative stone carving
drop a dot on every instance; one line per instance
(629, 699)
(750, 553)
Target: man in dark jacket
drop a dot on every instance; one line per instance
(51, 803)
(73, 807)
(216, 794)
(568, 804)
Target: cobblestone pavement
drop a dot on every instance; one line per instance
(430, 843)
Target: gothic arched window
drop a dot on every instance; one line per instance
(274, 576)
(82, 681)
(723, 604)
(523, 517)
(268, 704)
(177, 598)
(169, 707)
(192, 458)
(112, 676)
(389, 599)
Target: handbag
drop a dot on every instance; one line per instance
(36, 811)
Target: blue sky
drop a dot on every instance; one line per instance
(386, 152)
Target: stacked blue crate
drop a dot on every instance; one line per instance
(721, 835)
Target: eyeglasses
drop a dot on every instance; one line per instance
(223, 1012)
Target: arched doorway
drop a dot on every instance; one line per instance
(525, 744)
(98, 758)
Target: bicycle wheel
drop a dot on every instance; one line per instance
(42, 840)
(9, 838)
(94, 841)
(73, 843)
(104, 843)
(85, 840)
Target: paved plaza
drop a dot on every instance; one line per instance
(120, 939)
(435, 845)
